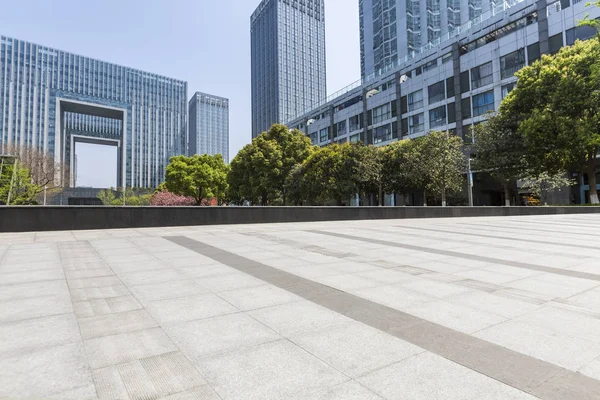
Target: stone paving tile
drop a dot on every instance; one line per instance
(153, 276)
(97, 282)
(276, 370)
(182, 309)
(31, 276)
(113, 324)
(46, 371)
(235, 280)
(200, 393)
(167, 290)
(96, 307)
(345, 391)
(428, 376)
(258, 297)
(34, 289)
(298, 318)
(111, 350)
(354, 348)
(206, 337)
(32, 334)
(88, 273)
(34, 307)
(104, 292)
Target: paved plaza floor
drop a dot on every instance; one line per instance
(472, 308)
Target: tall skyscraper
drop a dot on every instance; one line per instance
(392, 29)
(52, 100)
(288, 60)
(209, 125)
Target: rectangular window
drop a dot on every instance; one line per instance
(482, 75)
(506, 89)
(451, 113)
(382, 134)
(355, 138)
(313, 138)
(415, 100)
(450, 87)
(341, 128)
(533, 52)
(381, 113)
(482, 103)
(511, 63)
(555, 43)
(403, 104)
(416, 123)
(437, 92)
(579, 33)
(437, 117)
(354, 123)
(324, 135)
(464, 82)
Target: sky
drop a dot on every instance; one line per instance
(88, 157)
(204, 42)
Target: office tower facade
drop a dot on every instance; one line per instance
(51, 100)
(209, 125)
(390, 30)
(453, 84)
(288, 60)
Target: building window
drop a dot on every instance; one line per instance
(381, 113)
(533, 52)
(482, 103)
(555, 43)
(355, 138)
(579, 33)
(482, 75)
(354, 123)
(436, 92)
(324, 135)
(506, 89)
(511, 63)
(437, 117)
(416, 123)
(415, 100)
(382, 134)
(465, 106)
(313, 138)
(341, 128)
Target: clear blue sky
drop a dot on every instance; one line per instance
(205, 42)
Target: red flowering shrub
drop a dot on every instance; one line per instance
(168, 199)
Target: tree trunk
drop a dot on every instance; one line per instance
(424, 197)
(592, 180)
(443, 197)
(506, 195)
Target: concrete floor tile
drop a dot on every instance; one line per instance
(386, 276)
(111, 350)
(348, 282)
(31, 276)
(101, 281)
(428, 376)
(566, 321)
(167, 290)
(455, 316)
(88, 273)
(551, 346)
(152, 276)
(298, 318)
(34, 289)
(207, 270)
(206, 337)
(32, 334)
(345, 391)
(34, 307)
(114, 324)
(276, 370)
(104, 292)
(235, 280)
(204, 392)
(492, 303)
(592, 369)
(182, 309)
(589, 299)
(354, 348)
(434, 288)
(394, 296)
(44, 372)
(258, 297)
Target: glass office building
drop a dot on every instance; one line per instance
(288, 60)
(209, 125)
(51, 100)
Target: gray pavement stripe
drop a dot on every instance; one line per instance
(450, 253)
(528, 374)
(500, 237)
(518, 228)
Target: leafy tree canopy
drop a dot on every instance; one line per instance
(198, 176)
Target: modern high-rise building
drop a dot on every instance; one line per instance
(52, 100)
(393, 29)
(450, 83)
(209, 125)
(288, 60)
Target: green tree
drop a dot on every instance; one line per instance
(442, 156)
(107, 196)
(295, 147)
(367, 170)
(402, 167)
(542, 185)
(329, 174)
(198, 176)
(295, 185)
(255, 173)
(16, 185)
(500, 149)
(558, 102)
(594, 23)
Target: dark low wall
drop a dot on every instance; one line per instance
(30, 218)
